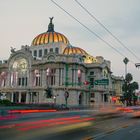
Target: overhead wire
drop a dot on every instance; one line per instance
(101, 24)
(108, 44)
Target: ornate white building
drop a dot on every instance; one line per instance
(52, 70)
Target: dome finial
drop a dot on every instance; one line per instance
(51, 25)
(51, 18)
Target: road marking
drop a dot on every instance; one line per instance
(111, 131)
(88, 138)
(133, 130)
(125, 126)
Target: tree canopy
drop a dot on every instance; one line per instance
(129, 87)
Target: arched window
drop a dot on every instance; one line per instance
(37, 80)
(79, 72)
(40, 53)
(3, 78)
(35, 52)
(18, 74)
(45, 52)
(51, 49)
(57, 50)
(50, 75)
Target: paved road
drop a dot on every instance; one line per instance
(70, 125)
(130, 132)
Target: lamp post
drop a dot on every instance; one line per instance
(125, 60)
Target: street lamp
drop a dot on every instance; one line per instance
(125, 60)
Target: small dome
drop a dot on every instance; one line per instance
(49, 37)
(74, 50)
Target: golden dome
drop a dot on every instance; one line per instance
(74, 50)
(49, 37)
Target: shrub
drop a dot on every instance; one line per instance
(5, 102)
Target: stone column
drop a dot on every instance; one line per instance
(8, 81)
(57, 77)
(43, 77)
(103, 99)
(62, 76)
(38, 97)
(19, 97)
(31, 97)
(76, 76)
(27, 97)
(12, 97)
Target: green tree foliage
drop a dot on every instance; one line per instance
(5, 102)
(129, 89)
(128, 78)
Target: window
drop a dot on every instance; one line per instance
(37, 77)
(51, 57)
(19, 81)
(72, 78)
(59, 76)
(92, 73)
(40, 53)
(51, 49)
(92, 95)
(23, 81)
(53, 71)
(26, 81)
(57, 50)
(79, 80)
(79, 72)
(51, 77)
(45, 52)
(91, 81)
(38, 81)
(35, 52)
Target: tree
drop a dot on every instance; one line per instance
(128, 78)
(129, 88)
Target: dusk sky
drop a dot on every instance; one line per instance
(22, 20)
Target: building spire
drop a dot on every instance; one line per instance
(51, 25)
